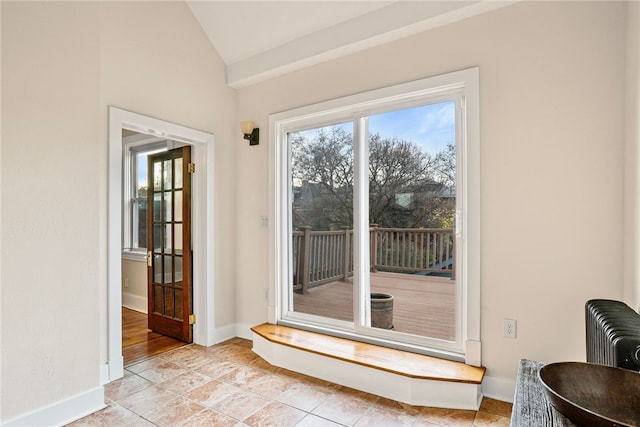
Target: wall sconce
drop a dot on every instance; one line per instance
(250, 133)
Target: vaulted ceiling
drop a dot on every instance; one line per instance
(262, 39)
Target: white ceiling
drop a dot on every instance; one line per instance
(258, 40)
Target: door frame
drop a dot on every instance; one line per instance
(202, 229)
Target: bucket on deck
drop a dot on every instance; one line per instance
(381, 311)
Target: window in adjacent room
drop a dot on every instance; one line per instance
(137, 148)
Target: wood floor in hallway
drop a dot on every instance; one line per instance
(138, 342)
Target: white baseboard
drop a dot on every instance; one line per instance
(499, 389)
(225, 333)
(62, 412)
(243, 331)
(104, 374)
(134, 302)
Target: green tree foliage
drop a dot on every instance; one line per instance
(408, 188)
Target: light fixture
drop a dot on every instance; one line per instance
(250, 133)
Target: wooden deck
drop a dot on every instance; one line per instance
(423, 305)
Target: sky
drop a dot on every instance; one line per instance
(431, 127)
(142, 166)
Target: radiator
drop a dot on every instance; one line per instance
(613, 334)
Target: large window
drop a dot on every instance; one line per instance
(377, 230)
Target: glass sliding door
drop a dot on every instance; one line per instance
(321, 222)
(412, 205)
(374, 234)
(409, 176)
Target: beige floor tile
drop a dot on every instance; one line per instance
(146, 364)
(241, 405)
(394, 405)
(208, 418)
(213, 392)
(189, 357)
(264, 365)
(147, 400)
(243, 375)
(364, 397)
(496, 407)
(130, 383)
(112, 415)
(277, 415)
(228, 385)
(217, 368)
(162, 372)
(447, 417)
(174, 412)
(341, 409)
(315, 421)
(186, 382)
(234, 353)
(304, 396)
(379, 417)
(485, 419)
(270, 385)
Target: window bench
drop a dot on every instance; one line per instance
(407, 377)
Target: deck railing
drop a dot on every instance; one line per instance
(326, 256)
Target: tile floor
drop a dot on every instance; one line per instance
(229, 385)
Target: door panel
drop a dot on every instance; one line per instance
(169, 264)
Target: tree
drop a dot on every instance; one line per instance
(408, 187)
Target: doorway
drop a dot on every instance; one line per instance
(157, 220)
(202, 227)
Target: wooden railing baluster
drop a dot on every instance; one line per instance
(326, 256)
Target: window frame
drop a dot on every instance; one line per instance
(352, 109)
(132, 146)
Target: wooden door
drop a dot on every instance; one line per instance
(169, 269)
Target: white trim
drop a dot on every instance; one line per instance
(202, 226)
(463, 86)
(412, 391)
(134, 302)
(62, 412)
(499, 389)
(104, 374)
(471, 210)
(138, 256)
(393, 22)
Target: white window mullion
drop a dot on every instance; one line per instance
(361, 283)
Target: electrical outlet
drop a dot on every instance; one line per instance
(509, 328)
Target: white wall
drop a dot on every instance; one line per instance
(552, 144)
(63, 64)
(134, 285)
(50, 212)
(157, 61)
(632, 160)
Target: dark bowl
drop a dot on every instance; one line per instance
(593, 395)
